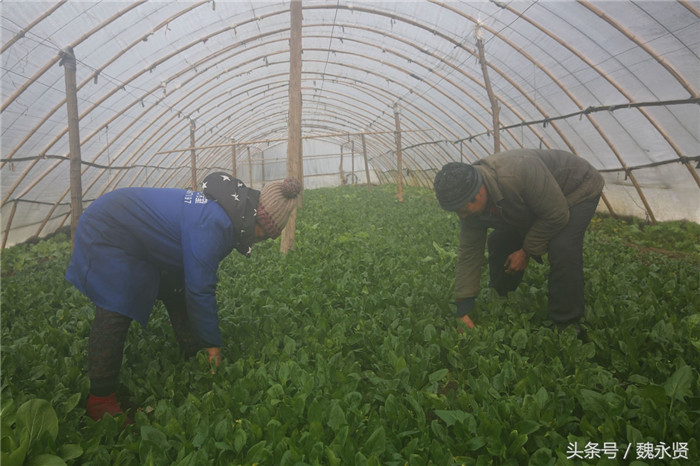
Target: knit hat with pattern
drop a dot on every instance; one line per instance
(240, 204)
(456, 184)
(277, 200)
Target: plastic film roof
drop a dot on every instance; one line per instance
(613, 82)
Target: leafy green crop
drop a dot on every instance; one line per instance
(346, 351)
(678, 239)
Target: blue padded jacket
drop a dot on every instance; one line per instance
(126, 238)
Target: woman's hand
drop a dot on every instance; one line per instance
(464, 321)
(215, 356)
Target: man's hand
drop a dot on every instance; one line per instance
(517, 262)
(466, 320)
(215, 355)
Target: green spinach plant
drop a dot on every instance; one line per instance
(346, 351)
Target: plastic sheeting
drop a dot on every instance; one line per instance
(614, 82)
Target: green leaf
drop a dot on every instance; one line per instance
(341, 437)
(520, 339)
(223, 446)
(332, 458)
(315, 413)
(633, 435)
(283, 372)
(154, 435)
(16, 456)
(527, 426)
(258, 453)
(70, 404)
(678, 385)
(400, 364)
(222, 429)
(336, 418)
(655, 393)
(239, 439)
(515, 442)
(45, 460)
(391, 406)
(439, 431)
(429, 332)
(437, 375)
(542, 398)
(70, 451)
(453, 416)
(36, 417)
(418, 409)
(593, 402)
(542, 457)
(275, 392)
(474, 443)
(376, 443)
(638, 379)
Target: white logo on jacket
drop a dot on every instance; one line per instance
(197, 197)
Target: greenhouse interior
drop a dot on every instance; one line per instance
(368, 325)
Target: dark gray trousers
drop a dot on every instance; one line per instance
(109, 331)
(565, 254)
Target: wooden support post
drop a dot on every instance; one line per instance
(342, 175)
(399, 159)
(352, 161)
(76, 187)
(9, 224)
(364, 153)
(495, 109)
(262, 167)
(233, 157)
(193, 155)
(294, 148)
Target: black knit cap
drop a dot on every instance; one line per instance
(456, 184)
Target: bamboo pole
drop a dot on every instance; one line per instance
(28, 28)
(342, 175)
(59, 57)
(262, 167)
(9, 224)
(399, 159)
(76, 187)
(495, 109)
(364, 153)
(294, 147)
(352, 160)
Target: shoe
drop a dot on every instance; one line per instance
(98, 406)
